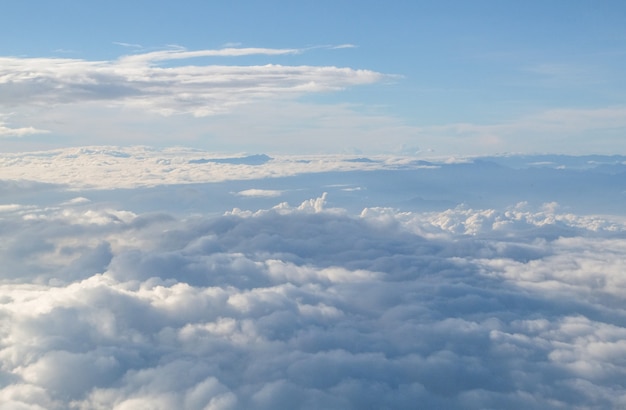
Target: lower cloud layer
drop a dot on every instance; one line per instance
(311, 308)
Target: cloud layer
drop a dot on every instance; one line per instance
(144, 179)
(310, 307)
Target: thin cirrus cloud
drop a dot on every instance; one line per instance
(179, 53)
(139, 81)
(551, 130)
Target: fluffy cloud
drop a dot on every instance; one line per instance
(310, 307)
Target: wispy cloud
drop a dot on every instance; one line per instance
(340, 46)
(331, 47)
(259, 193)
(180, 53)
(138, 80)
(8, 132)
(560, 124)
(560, 74)
(127, 45)
(64, 51)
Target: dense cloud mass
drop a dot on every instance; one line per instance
(310, 306)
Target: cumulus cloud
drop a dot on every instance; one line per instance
(142, 81)
(309, 306)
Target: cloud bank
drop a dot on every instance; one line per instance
(310, 306)
(182, 180)
(105, 167)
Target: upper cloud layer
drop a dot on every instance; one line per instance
(139, 81)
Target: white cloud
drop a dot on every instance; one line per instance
(306, 307)
(8, 132)
(164, 97)
(340, 46)
(181, 53)
(260, 192)
(128, 45)
(10, 207)
(126, 167)
(307, 304)
(138, 81)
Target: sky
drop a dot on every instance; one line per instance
(304, 205)
(404, 77)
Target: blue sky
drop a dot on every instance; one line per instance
(447, 77)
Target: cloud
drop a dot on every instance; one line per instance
(107, 167)
(260, 192)
(7, 132)
(309, 306)
(128, 45)
(180, 53)
(562, 125)
(340, 46)
(139, 81)
(183, 180)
